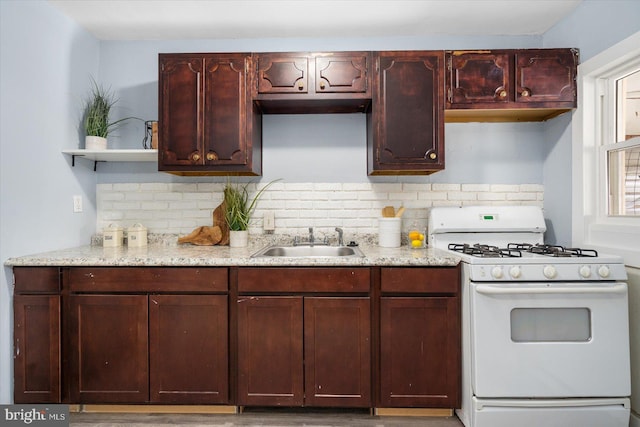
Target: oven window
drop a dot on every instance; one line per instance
(551, 324)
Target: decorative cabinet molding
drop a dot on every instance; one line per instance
(207, 120)
(407, 123)
(300, 82)
(509, 85)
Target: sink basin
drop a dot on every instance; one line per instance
(308, 251)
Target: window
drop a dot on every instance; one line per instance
(606, 152)
(623, 155)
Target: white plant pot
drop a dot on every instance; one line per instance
(238, 239)
(95, 143)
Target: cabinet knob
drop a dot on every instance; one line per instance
(502, 93)
(432, 155)
(212, 156)
(195, 157)
(322, 86)
(525, 92)
(300, 85)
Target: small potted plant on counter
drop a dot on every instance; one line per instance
(238, 211)
(96, 117)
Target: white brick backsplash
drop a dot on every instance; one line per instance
(445, 187)
(179, 208)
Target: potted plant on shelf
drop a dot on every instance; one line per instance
(238, 209)
(96, 117)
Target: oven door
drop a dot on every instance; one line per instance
(547, 340)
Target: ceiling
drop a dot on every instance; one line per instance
(235, 19)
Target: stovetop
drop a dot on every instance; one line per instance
(487, 239)
(522, 262)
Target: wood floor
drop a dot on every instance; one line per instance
(262, 418)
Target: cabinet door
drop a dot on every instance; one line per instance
(408, 115)
(546, 77)
(342, 73)
(208, 124)
(270, 363)
(188, 336)
(225, 110)
(282, 73)
(337, 350)
(420, 352)
(181, 109)
(478, 77)
(109, 349)
(36, 338)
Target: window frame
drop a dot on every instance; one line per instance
(591, 225)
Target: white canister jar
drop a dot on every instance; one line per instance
(389, 232)
(136, 236)
(112, 236)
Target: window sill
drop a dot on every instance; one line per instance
(616, 239)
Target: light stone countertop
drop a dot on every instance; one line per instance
(166, 252)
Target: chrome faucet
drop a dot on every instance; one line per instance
(340, 240)
(311, 238)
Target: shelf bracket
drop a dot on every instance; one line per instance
(73, 159)
(95, 162)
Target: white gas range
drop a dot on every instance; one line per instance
(545, 328)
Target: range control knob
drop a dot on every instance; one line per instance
(496, 272)
(549, 271)
(603, 271)
(515, 272)
(585, 271)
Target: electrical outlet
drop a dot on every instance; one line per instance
(77, 204)
(269, 221)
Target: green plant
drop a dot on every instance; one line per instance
(97, 109)
(238, 207)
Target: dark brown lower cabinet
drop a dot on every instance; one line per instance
(270, 351)
(148, 348)
(326, 362)
(109, 360)
(36, 335)
(420, 352)
(337, 351)
(36, 348)
(188, 349)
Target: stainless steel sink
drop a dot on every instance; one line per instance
(308, 251)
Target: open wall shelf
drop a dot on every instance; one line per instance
(113, 156)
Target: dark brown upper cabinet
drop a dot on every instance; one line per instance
(406, 128)
(207, 121)
(510, 85)
(330, 82)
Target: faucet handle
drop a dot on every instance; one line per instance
(340, 240)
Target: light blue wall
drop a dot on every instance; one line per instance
(594, 26)
(46, 60)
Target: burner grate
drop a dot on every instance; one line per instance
(553, 250)
(485, 251)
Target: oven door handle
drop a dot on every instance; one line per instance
(514, 290)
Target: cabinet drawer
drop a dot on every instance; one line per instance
(147, 279)
(420, 280)
(303, 280)
(37, 280)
